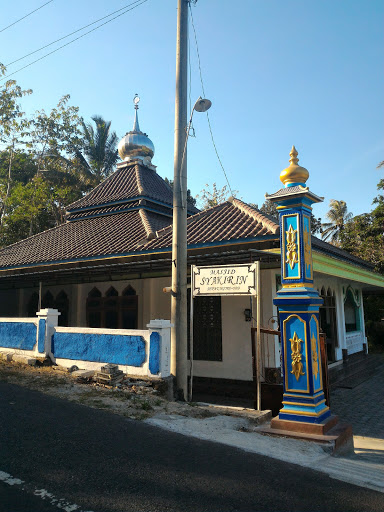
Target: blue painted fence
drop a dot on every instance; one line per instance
(42, 336)
(18, 335)
(117, 349)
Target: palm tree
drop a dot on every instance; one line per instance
(99, 153)
(338, 216)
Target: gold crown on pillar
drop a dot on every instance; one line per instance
(294, 173)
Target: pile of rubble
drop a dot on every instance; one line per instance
(110, 377)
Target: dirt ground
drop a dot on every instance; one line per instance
(133, 398)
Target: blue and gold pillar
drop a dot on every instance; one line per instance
(298, 304)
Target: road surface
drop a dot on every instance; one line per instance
(67, 455)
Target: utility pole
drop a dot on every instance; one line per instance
(179, 241)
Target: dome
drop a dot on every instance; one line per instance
(136, 145)
(294, 174)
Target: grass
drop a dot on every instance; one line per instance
(146, 406)
(120, 395)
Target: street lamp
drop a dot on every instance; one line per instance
(201, 105)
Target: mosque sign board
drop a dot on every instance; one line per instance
(224, 280)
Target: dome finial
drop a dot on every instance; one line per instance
(136, 145)
(136, 127)
(293, 154)
(294, 174)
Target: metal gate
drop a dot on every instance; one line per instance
(261, 367)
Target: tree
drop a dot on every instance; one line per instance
(54, 138)
(98, 155)
(190, 199)
(45, 177)
(270, 208)
(338, 216)
(363, 236)
(12, 118)
(13, 127)
(29, 210)
(209, 198)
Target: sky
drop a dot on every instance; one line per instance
(278, 73)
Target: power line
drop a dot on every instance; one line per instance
(26, 16)
(202, 86)
(73, 40)
(74, 32)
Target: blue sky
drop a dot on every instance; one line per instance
(278, 73)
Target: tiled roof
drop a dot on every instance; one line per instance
(129, 181)
(339, 253)
(232, 220)
(120, 233)
(296, 190)
(139, 230)
(103, 211)
(117, 208)
(122, 184)
(87, 238)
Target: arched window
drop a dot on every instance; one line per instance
(94, 308)
(128, 291)
(94, 293)
(129, 307)
(62, 304)
(33, 304)
(351, 312)
(328, 322)
(48, 301)
(111, 292)
(112, 311)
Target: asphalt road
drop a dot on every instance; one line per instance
(105, 463)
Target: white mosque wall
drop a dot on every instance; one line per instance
(236, 332)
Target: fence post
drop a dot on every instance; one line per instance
(159, 347)
(48, 320)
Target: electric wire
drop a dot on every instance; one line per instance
(71, 34)
(26, 16)
(202, 86)
(73, 40)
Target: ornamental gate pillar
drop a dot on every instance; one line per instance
(304, 408)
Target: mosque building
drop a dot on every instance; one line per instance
(108, 264)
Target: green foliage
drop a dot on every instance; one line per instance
(363, 235)
(316, 225)
(48, 162)
(338, 215)
(374, 323)
(98, 153)
(190, 199)
(23, 166)
(210, 197)
(13, 123)
(270, 208)
(29, 210)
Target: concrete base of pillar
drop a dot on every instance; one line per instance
(304, 427)
(333, 436)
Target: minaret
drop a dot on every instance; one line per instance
(304, 408)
